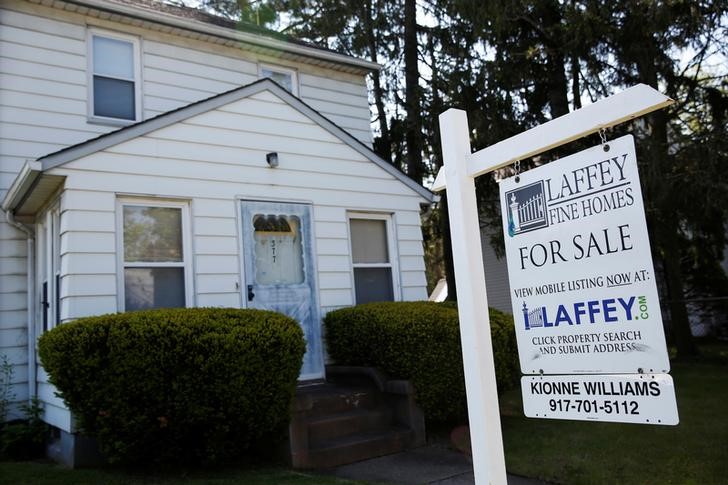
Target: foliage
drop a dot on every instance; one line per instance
(6, 386)
(255, 12)
(514, 64)
(418, 341)
(24, 439)
(196, 385)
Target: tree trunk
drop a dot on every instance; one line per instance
(558, 86)
(384, 144)
(575, 85)
(679, 321)
(413, 136)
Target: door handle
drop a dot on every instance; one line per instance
(251, 295)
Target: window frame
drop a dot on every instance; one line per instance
(283, 70)
(136, 51)
(392, 250)
(186, 263)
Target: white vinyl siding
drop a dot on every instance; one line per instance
(213, 165)
(496, 275)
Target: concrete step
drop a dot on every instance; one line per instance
(328, 400)
(358, 447)
(329, 427)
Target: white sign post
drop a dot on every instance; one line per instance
(458, 174)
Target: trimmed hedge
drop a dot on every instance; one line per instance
(192, 386)
(419, 341)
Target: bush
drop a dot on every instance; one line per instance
(25, 439)
(418, 341)
(193, 386)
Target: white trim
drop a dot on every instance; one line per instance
(187, 253)
(281, 70)
(48, 267)
(136, 50)
(392, 249)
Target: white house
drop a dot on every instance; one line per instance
(147, 160)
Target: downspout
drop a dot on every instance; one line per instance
(30, 290)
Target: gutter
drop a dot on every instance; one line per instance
(15, 196)
(21, 186)
(30, 269)
(217, 31)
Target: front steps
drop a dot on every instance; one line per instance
(358, 414)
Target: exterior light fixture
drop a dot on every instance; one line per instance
(272, 159)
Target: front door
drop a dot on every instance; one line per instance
(280, 270)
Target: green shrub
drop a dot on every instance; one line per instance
(193, 386)
(419, 341)
(25, 439)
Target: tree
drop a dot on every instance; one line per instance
(257, 12)
(645, 39)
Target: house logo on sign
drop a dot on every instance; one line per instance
(533, 318)
(526, 209)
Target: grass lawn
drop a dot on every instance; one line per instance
(42, 473)
(695, 451)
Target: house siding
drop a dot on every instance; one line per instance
(496, 276)
(213, 160)
(43, 108)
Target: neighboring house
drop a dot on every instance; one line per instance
(146, 162)
(496, 276)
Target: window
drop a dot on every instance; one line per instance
(371, 256)
(278, 250)
(154, 255)
(285, 77)
(114, 75)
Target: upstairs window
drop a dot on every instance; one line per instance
(285, 77)
(114, 74)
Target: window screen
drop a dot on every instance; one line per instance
(371, 260)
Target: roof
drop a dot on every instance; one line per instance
(198, 24)
(141, 128)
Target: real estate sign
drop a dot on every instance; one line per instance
(580, 268)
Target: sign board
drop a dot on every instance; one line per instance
(580, 268)
(632, 398)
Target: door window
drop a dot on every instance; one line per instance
(278, 250)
